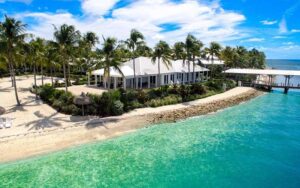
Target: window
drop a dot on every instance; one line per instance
(152, 79)
(172, 78)
(166, 79)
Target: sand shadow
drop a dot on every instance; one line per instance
(43, 121)
(6, 89)
(101, 122)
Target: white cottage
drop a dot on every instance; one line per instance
(147, 74)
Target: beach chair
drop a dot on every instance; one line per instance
(8, 123)
(1, 123)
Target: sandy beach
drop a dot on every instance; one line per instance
(39, 129)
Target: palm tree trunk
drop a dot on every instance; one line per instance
(65, 77)
(12, 71)
(42, 75)
(51, 69)
(69, 74)
(35, 86)
(159, 76)
(194, 76)
(134, 75)
(108, 77)
(16, 91)
(189, 72)
(11, 77)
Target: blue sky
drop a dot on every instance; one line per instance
(272, 26)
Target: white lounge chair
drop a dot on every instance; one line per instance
(8, 123)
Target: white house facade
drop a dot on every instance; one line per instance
(178, 72)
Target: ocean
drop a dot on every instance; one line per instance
(284, 64)
(254, 144)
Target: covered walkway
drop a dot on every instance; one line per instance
(270, 73)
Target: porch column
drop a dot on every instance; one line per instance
(96, 80)
(124, 83)
(136, 82)
(156, 80)
(115, 82)
(148, 81)
(89, 79)
(141, 82)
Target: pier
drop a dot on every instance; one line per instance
(265, 78)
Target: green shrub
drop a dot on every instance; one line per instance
(197, 88)
(94, 108)
(45, 92)
(57, 104)
(230, 84)
(215, 84)
(117, 108)
(142, 96)
(66, 98)
(71, 109)
(174, 89)
(171, 99)
(184, 92)
(134, 105)
(105, 103)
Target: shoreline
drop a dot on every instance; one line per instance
(30, 144)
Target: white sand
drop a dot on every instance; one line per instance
(77, 90)
(38, 128)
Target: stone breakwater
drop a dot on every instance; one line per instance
(202, 109)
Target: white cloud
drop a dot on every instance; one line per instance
(295, 30)
(283, 26)
(267, 22)
(253, 40)
(96, 7)
(288, 43)
(208, 22)
(279, 37)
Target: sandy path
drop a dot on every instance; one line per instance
(39, 129)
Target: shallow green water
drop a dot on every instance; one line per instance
(256, 144)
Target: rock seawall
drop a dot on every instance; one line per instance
(202, 109)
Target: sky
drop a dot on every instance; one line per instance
(272, 26)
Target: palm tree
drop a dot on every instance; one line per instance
(189, 44)
(135, 40)
(89, 40)
(51, 57)
(196, 52)
(227, 55)
(111, 59)
(11, 36)
(214, 50)
(162, 52)
(66, 37)
(143, 50)
(179, 51)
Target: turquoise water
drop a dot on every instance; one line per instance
(255, 144)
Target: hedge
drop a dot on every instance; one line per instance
(116, 102)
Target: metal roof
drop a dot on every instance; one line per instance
(273, 72)
(145, 66)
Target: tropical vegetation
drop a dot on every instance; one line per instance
(116, 102)
(72, 54)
